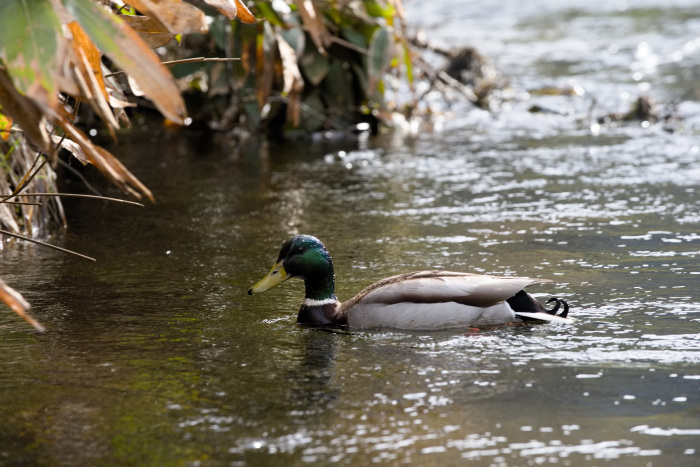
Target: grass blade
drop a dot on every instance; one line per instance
(22, 237)
(80, 195)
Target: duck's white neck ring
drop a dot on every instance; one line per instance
(326, 301)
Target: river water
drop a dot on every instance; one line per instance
(155, 355)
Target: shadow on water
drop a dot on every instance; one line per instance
(155, 355)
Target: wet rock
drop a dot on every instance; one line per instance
(472, 69)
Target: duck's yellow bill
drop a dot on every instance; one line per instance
(276, 276)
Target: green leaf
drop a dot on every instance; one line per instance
(361, 77)
(315, 66)
(378, 11)
(379, 56)
(296, 39)
(269, 13)
(29, 33)
(218, 31)
(243, 40)
(315, 115)
(354, 36)
(408, 63)
(252, 112)
(123, 46)
(338, 86)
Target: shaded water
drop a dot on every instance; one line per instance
(155, 355)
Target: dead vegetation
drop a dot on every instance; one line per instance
(51, 63)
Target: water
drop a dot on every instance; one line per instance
(155, 355)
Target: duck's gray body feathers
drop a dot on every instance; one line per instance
(434, 300)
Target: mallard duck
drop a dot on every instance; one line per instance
(425, 300)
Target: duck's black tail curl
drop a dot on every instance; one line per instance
(557, 304)
(522, 302)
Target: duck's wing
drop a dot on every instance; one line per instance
(435, 300)
(444, 286)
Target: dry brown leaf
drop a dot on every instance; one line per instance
(232, 9)
(143, 65)
(82, 42)
(177, 17)
(117, 99)
(150, 30)
(292, 79)
(85, 60)
(105, 161)
(117, 103)
(99, 102)
(312, 18)
(226, 7)
(128, 51)
(25, 113)
(18, 304)
(130, 179)
(71, 147)
(244, 13)
(265, 65)
(135, 88)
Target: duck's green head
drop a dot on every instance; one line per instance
(302, 256)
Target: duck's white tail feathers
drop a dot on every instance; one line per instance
(544, 317)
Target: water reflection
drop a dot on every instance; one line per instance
(310, 382)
